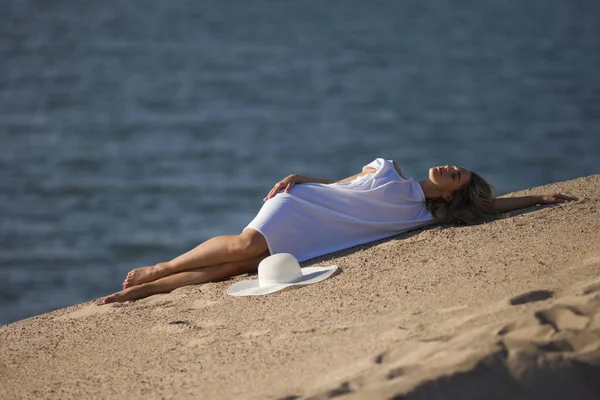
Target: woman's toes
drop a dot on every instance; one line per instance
(109, 299)
(123, 295)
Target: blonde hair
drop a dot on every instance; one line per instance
(470, 204)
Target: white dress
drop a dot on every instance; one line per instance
(315, 219)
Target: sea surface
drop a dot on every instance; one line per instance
(131, 131)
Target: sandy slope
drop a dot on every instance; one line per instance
(505, 309)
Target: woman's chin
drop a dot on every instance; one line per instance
(433, 174)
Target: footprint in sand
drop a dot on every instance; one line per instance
(562, 317)
(530, 297)
(559, 328)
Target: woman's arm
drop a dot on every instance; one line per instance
(366, 170)
(507, 204)
(289, 181)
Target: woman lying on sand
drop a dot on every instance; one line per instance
(309, 217)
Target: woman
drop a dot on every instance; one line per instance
(321, 216)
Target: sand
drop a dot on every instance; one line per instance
(508, 309)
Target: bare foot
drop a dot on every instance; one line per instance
(133, 293)
(142, 275)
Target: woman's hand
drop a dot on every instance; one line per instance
(285, 184)
(508, 204)
(555, 198)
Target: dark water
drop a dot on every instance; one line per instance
(131, 131)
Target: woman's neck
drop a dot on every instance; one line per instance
(430, 190)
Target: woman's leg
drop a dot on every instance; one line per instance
(192, 277)
(215, 251)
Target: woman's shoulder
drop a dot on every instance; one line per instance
(382, 166)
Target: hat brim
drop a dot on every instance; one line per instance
(251, 287)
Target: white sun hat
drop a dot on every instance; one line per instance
(277, 272)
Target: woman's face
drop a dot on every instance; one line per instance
(449, 178)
